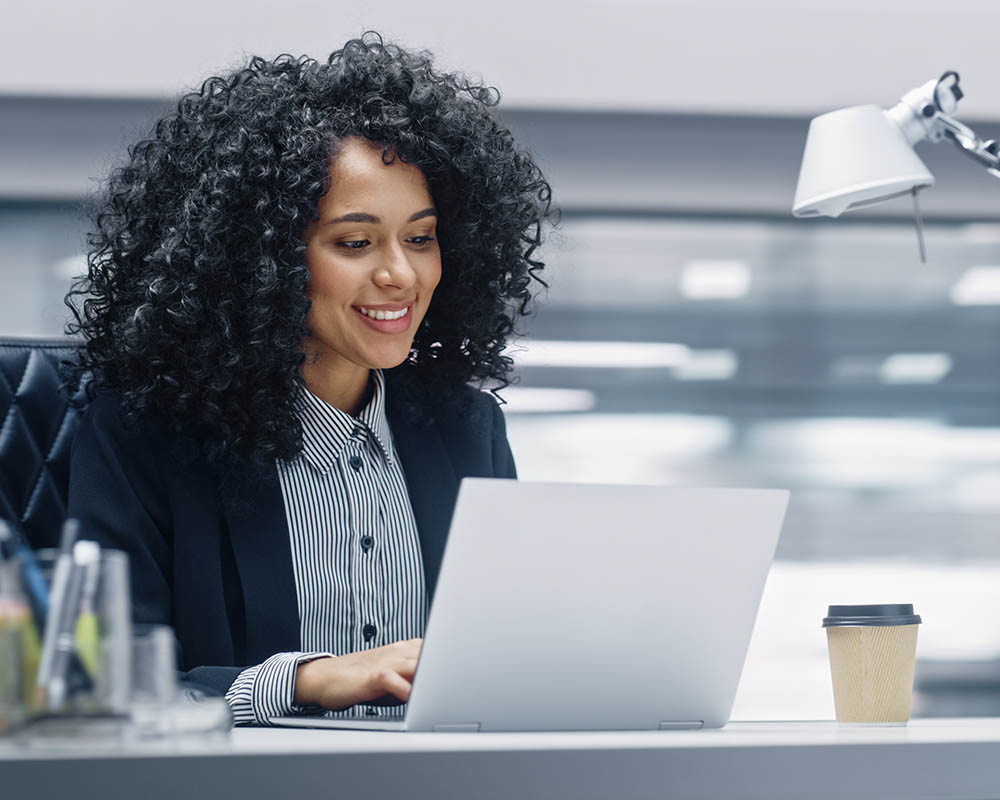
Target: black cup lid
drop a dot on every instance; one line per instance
(863, 616)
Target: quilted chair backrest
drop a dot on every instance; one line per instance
(37, 425)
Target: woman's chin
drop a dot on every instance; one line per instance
(387, 360)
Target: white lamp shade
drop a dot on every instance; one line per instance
(855, 157)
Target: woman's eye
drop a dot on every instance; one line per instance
(420, 239)
(356, 244)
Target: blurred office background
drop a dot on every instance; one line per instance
(694, 333)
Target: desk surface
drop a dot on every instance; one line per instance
(955, 758)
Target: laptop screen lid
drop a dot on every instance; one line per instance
(593, 607)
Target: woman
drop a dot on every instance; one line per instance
(294, 285)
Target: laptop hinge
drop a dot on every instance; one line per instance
(456, 727)
(682, 725)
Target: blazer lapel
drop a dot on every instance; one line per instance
(432, 484)
(258, 530)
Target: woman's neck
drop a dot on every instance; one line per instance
(346, 389)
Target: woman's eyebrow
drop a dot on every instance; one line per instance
(427, 212)
(361, 216)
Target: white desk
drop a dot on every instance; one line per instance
(957, 758)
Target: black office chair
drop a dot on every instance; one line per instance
(37, 425)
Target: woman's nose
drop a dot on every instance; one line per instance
(396, 270)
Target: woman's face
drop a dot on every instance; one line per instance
(373, 261)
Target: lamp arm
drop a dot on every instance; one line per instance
(985, 151)
(924, 113)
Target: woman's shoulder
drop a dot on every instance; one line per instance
(105, 420)
(103, 415)
(472, 399)
(105, 412)
(429, 403)
(470, 414)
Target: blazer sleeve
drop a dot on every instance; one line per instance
(118, 492)
(503, 458)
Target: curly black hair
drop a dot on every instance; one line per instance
(194, 305)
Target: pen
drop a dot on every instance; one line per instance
(64, 562)
(86, 634)
(31, 574)
(63, 622)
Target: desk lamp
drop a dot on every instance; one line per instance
(862, 155)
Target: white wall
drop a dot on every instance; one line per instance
(787, 57)
(58, 150)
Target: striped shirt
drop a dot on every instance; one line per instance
(356, 559)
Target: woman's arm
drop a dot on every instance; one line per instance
(503, 459)
(117, 492)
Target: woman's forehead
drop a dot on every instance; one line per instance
(360, 177)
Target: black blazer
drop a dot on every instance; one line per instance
(209, 551)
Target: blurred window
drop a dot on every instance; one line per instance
(814, 356)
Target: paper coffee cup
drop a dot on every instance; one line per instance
(873, 649)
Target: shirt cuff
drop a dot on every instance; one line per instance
(268, 690)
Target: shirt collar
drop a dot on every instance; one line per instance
(327, 430)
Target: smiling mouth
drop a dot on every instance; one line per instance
(386, 320)
(383, 314)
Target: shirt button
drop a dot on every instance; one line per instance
(355, 462)
(369, 632)
(359, 433)
(367, 542)
(372, 712)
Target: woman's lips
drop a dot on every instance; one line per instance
(387, 325)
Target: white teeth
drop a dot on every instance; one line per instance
(384, 314)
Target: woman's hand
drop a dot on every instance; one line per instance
(361, 677)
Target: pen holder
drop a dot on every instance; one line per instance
(85, 669)
(97, 677)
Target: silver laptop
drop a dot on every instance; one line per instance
(589, 607)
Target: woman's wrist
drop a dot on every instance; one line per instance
(306, 688)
